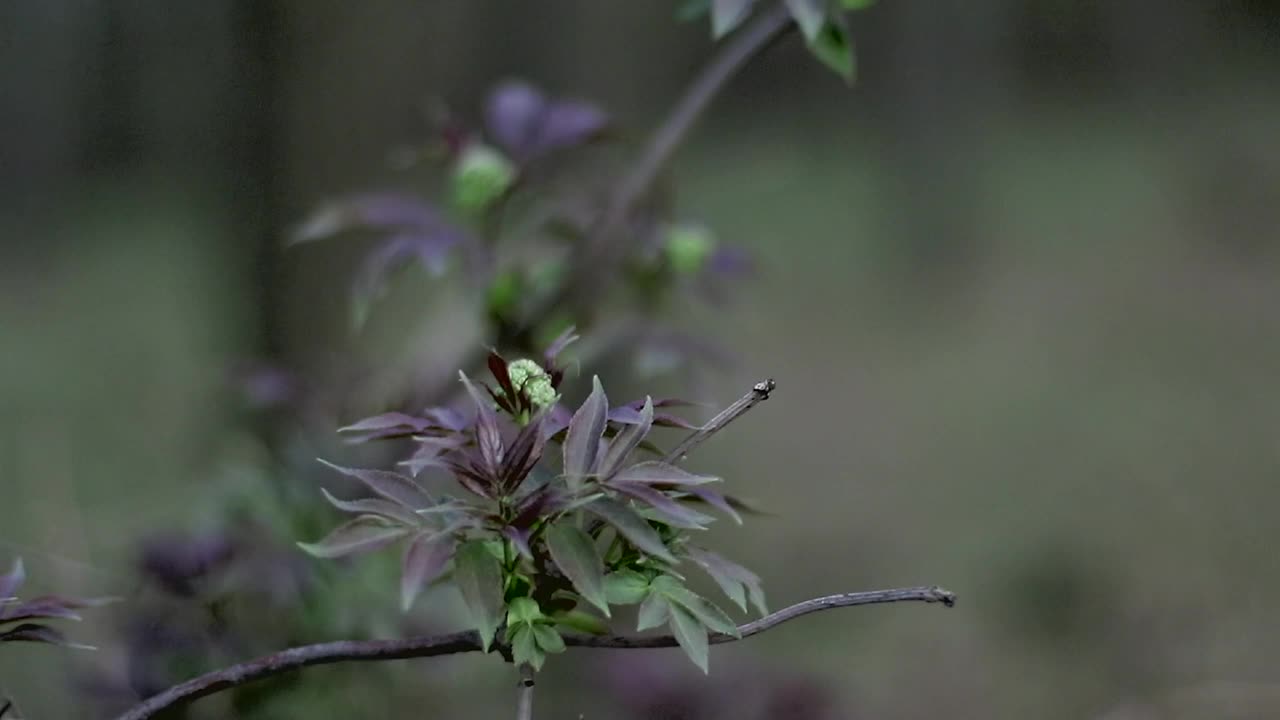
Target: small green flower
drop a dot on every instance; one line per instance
(480, 177)
(529, 378)
(688, 247)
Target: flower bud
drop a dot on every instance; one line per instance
(481, 176)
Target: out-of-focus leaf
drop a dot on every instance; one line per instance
(548, 639)
(582, 443)
(393, 422)
(557, 346)
(581, 622)
(705, 610)
(478, 575)
(49, 607)
(654, 611)
(625, 587)
(12, 580)
(856, 4)
(375, 506)
(481, 176)
(657, 472)
(667, 509)
(716, 500)
(626, 441)
(527, 125)
(568, 123)
(809, 15)
(575, 554)
(690, 10)
(690, 633)
(362, 534)
(833, 46)
(727, 15)
(390, 485)
(425, 558)
(382, 210)
(632, 526)
(31, 632)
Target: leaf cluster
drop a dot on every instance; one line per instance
(26, 620)
(556, 515)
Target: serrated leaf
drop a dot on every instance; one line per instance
(737, 582)
(632, 526)
(833, 46)
(548, 639)
(625, 587)
(575, 554)
(374, 506)
(727, 15)
(478, 575)
(488, 435)
(653, 612)
(390, 485)
(362, 534)
(657, 472)
(626, 441)
(666, 508)
(425, 558)
(524, 648)
(582, 442)
(523, 610)
(706, 611)
(691, 635)
(582, 622)
(809, 15)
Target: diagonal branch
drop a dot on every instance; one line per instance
(758, 394)
(462, 642)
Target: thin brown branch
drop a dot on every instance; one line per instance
(756, 395)
(462, 642)
(603, 243)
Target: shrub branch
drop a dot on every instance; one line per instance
(468, 641)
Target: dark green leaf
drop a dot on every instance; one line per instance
(833, 46)
(809, 15)
(575, 554)
(691, 635)
(425, 558)
(376, 506)
(653, 612)
(626, 441)
(727, 15)
(523, 610)
(625, 587)
(632, 526)
(390, 485)
(358, 535)
(548, 639)
(582, 442)
(478, 575)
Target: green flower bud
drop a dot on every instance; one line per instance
(480, 177)
(688, 247)
(529, 378)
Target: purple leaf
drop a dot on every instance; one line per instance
(557, 346)
(626, 441)
(399, 422)
(526, 451)
(383, 210)
(716, 500)
(512, 116)
(376, 506)
(736, 581)
(632, 526)
(667, 509)
(425, 558)
(12, 580)
(498, 368)
(429, 452)
(727, 15)
(488, 435)
(390, 485)
(519, 537)
(566, 124)
(356, 536)
(582, 443)
(656, 472)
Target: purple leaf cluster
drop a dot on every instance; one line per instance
(542, 516)
(27, 620)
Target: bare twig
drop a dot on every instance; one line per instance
(758, 394)
(524, 705)
(4, 709)
(462, 642)
(602, 247)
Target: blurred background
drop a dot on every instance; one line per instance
(1017, 287)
